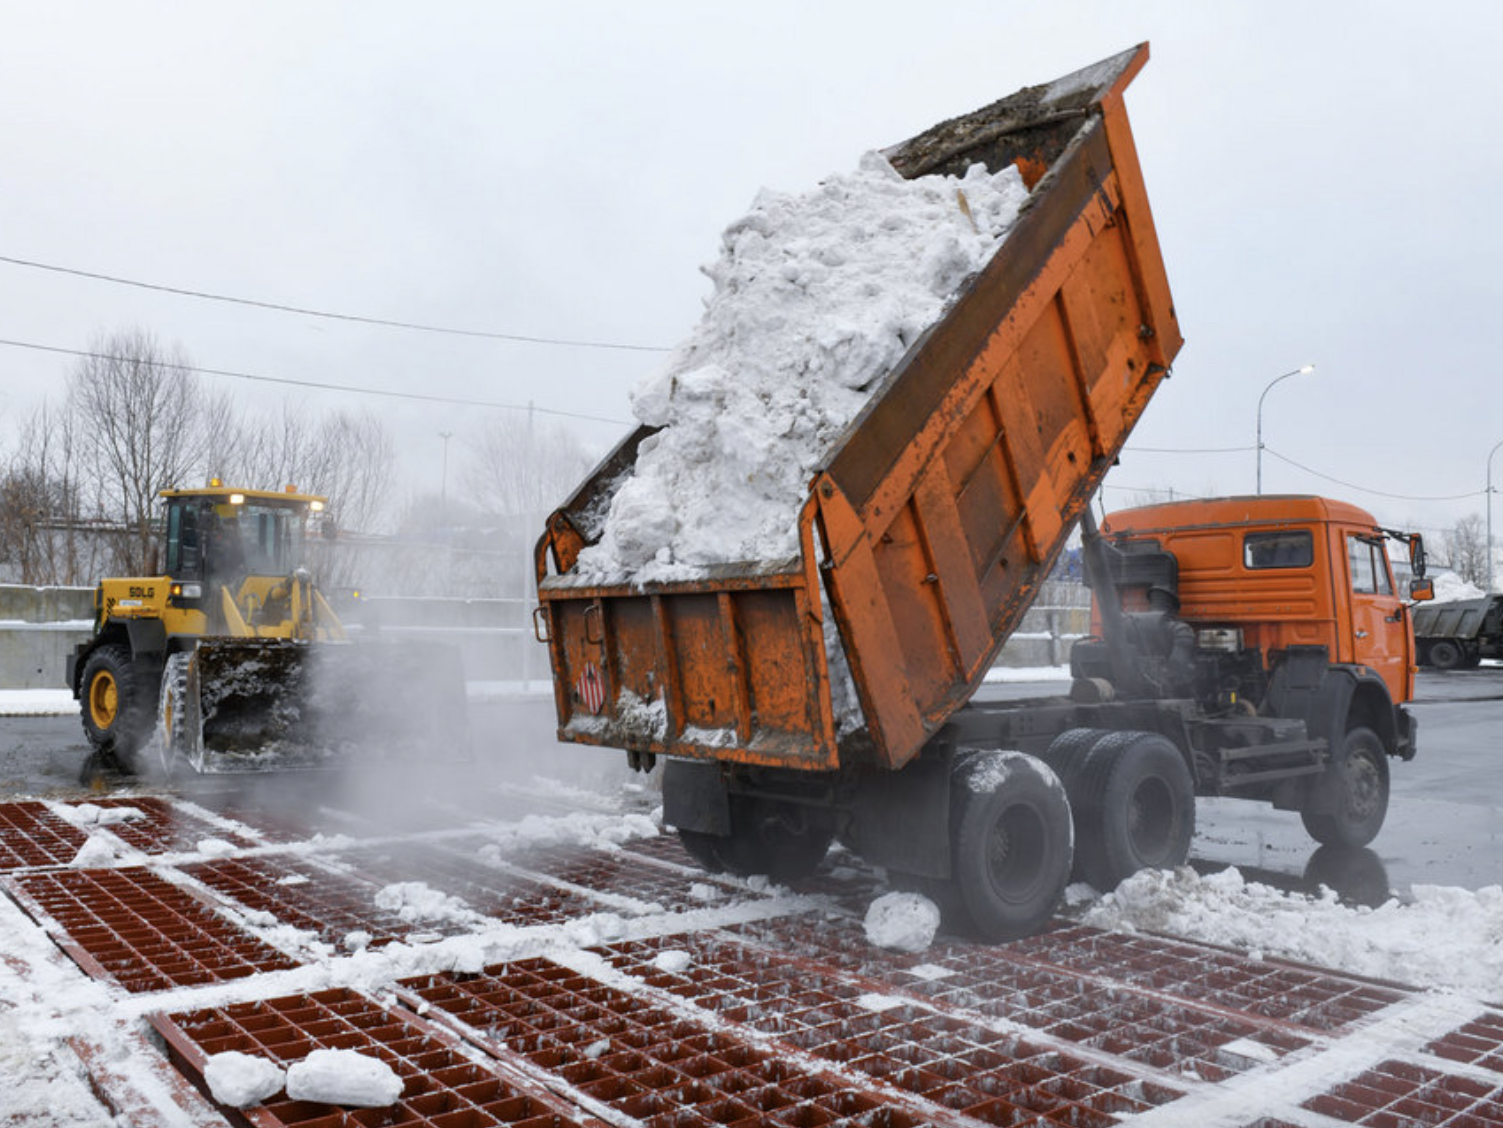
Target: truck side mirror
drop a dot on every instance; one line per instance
(1421, 589)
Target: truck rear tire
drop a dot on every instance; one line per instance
(1134, 805)
(1012, 842)
(1068, 751)
(1359, 772)
(1445, 654)
(117, 701)
(702, 848)
(784, 841)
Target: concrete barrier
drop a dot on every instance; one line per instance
(40, 625)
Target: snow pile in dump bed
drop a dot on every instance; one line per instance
(1443, 937)
(816, 298)
(1449, 587)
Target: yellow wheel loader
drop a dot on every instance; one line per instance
(232, 660)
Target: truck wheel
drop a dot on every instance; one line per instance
(785, 841)
(703, 848)
(1360, 774)
(1067, 752)
(1445, 654)
(1011, 842)
(1134, 804)
(116, 702)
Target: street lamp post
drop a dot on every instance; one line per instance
(1297, 372)
(443, 489)
(1490, 516)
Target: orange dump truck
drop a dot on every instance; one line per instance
(827, 694)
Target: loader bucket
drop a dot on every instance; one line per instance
(274, 704)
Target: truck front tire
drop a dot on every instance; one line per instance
(1357, 798)
(1012, 843)
(1134, 804)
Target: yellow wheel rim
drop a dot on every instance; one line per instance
(104, 699)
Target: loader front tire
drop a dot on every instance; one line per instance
(117, 699)
(1011, 842)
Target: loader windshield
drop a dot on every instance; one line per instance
(214, 540)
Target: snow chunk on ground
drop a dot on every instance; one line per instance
(91, 814)
(241, 1080)
(904, 922)
(215, 847)
(817, 297)
(415, 900)
(97, 851)
(343, 1077)
(1445, 937)
(672, 960)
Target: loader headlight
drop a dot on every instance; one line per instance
(187, 591)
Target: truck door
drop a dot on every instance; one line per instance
(1380, 634)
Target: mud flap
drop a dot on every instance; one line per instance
(274, 704)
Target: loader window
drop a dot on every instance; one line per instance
(184, 547)
(1292, 549)
(1369, 565)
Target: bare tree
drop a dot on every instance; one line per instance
(1466, 549)
(517, 466)
(46, 535)
(144, 424)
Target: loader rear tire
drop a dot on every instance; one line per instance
(1011, 842)
(784, 841)
(116, 696)
(1134, 804)
(1445, 654)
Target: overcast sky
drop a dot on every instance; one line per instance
(1323, 179)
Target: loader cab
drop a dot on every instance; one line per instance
(219, 537)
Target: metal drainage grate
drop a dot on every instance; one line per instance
(131, 926)
(1398, 1093)
(440, 1085)
(656, 1064)
(305, 895)
(487, 889)
(1306, 997)
(1479, 1043)
(32, 837)
(950, 1055)
(643, 1061)
(1166, 1034)
(619, 875)
(165, 829)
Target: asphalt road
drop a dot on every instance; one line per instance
(1445, 819)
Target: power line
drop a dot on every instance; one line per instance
(316, 383)
(1188, 450)
(280, 308)
(1375, 493)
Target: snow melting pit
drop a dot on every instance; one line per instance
(1479, 1043)
(645, 1060)
(160, 826)
(306, 895)
(133, 927)
(946, 1057)
(32, 837)
(1398, 1093)
(1303, 997)
(441, 1086)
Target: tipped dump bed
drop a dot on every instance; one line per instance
(942, 507)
